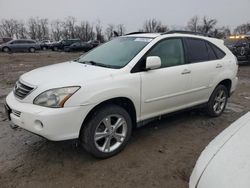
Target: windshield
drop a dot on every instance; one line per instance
(117, 53)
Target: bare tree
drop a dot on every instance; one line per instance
(193, 24)
(110, 31)
(21, 30)
(242, 29)
(208, 25)
(44, 28)
(85, 31)
(98, 30)
(8, 27)
(56, 30)
(32, 28)
(120, 29)
(221, 32)
(68, 26)
(38, 28)
(153, 25)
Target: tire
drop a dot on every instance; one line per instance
(217, 101)
(6, 50)
(101, 140)
(55, 48)
(32, 50)
(44, 48)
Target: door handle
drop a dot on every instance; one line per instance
(186, 71)
(218, 66)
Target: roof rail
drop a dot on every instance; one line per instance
(133, 33)
(186, 32)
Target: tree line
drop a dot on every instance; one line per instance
(42, 29)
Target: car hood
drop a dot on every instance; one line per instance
(65, 74)
(225, 161)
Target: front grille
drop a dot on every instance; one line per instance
(16, 113)
(21, 90)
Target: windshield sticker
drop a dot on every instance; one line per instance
(143, 39)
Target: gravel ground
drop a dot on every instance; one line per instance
(160, 154)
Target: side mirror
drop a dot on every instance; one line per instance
(153, 62)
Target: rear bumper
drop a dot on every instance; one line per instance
(52, 123)
(243, 58)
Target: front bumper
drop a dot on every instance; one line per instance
(52, 123)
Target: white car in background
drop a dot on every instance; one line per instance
(102, 95)
(225, 163)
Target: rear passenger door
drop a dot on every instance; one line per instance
(204, 65)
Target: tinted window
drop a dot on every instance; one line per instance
(23, 42)
(219, 53)
(211, 54)
(170, 51)
(197, 50)
(31, 42)
(19, 42)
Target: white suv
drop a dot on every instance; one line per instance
(101, 96)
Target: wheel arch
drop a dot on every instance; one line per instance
(123, 102)
(227, 83)
(5, 47)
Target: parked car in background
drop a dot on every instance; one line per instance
(240, 46)
(20, 45)
(79, 46)
(94, 43)
(45, 44)
(5, 39)
(102, 95)
(225, 161)
(63, 44)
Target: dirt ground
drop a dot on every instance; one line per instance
(160, 154)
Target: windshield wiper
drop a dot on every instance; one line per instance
(98, 64)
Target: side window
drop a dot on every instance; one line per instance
(18, 42)
(211, 54)
(218, 52)
(170, 51)
(197, 50)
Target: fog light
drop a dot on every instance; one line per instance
(38, 125)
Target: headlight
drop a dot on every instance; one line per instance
(55, 98)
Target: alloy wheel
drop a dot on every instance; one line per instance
(110, 133)
(219, 101)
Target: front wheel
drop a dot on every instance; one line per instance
(107, 132)
(218, 101)
(6, 50)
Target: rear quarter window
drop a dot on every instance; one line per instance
(218, 52)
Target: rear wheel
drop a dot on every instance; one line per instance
(218, 101)
(55, 48)
(107, 132)
(32, 50)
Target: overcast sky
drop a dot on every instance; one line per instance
(131, 13)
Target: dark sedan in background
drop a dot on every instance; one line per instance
(63, 44)
(20, 45)
(79, 46)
